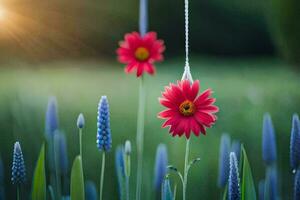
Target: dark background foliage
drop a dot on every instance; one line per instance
(42, 30)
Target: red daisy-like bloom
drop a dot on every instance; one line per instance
(140, 53)
(186, 110)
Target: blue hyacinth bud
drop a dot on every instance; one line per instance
(127, 161)
(90, 191)
(18, 166)
(161, 163)
(224, 160)
(120, 170)
(272, 183)
(127, 147)
(51, 117)
(261, 190)
(60, 146)
(268, 141)
(80, 121)
(236, 148)
(166, 193)
(297, 185)
(233, 181)
(104, 142)
(295, 143)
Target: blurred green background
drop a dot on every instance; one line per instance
(246, 51)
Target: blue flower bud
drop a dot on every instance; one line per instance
(295, 143)
(51, 117)
(233, 181)
(224, 160)
(18, 175)
(80, 121)
(104, 141)
(127, 161)
(90, 191)
(127, 147)
(166, 193)
(60, 146)
(272, 182)
(236, 148)
(120, 170)
(161, 164)
(261, 190)
(297, 185)
(268, 141)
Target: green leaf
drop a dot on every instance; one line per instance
(77, 182)
(248, 188)
(39, 179)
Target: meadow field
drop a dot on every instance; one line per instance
(245, 89)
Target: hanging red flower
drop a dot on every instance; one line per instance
(140, 53)
(186, 110)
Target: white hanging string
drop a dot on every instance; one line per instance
(187, 73)
(186, 14)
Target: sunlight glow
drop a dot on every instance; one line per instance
(2, 13)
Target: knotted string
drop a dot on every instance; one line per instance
(187, 73)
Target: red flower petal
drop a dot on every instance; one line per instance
(167, 113)
(167, 103)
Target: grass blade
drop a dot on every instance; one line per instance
(77, 182)
(39, 180)
(248, 188)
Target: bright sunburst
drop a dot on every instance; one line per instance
(2, 13)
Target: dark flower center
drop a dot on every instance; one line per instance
(141, 53)
(187, 108)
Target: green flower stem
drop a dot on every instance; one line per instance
(127, 188)
(102, 176)
(80, 142)
(18, 192)
(175, 192)
(140, 137)
(127, 173)
(186, 160)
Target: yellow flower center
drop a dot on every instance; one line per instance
(141, 53)
(187, 108)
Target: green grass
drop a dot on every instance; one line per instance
(244, 89)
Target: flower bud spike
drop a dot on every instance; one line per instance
(161, 164)
(51, 121)
(233, 181)
(224, 160)
(18, 175)
(295, 143)
(104, 141)
(268, 141)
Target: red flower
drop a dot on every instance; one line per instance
(140, 53)
(186, 110)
